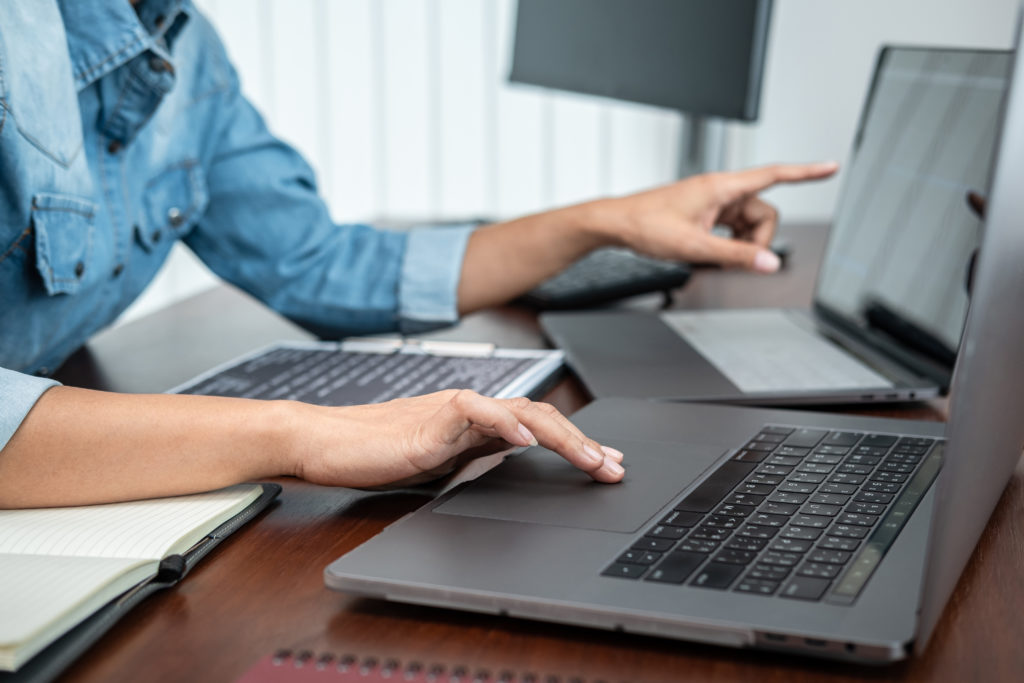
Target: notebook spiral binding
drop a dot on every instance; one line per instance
(305, 665)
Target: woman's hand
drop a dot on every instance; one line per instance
(412, 440)
(675, 221)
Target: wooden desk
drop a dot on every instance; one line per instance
(263, 588)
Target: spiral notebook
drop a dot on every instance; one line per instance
(287, 666)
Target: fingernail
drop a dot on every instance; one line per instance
(612, 453)
(614, 467)
(766, 262)
(593, 457)
(528, 435)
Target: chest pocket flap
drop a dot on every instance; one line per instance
(64, 240)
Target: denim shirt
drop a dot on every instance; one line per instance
(122, 133)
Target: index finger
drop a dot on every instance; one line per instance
(754, 180)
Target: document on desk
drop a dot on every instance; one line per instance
(361, 371)
(60, 567)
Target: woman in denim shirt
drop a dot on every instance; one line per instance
(123, 130)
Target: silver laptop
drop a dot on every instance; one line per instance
(831, 535)
(891, 295)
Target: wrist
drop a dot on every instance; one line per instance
(598, 223)
(279, 438)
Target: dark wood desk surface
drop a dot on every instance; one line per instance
(263, 588)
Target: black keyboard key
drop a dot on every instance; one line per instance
(829, 556)
(868, 460)
(784, 544)
(774, 557)
(680, 518)
(854, 468)
(757, 586)
(815, 467)
(766, 479)
(773, 508)
(639, 557)
(832, 450)
(771, 437)
(765, 519)
(821, 509)
(662, 531)
(798, 487)
(823, 459)
(881, 440)
(734, 510)
(910, 450)
(793, 451)
(882, 486)
(698, 545)
(857, 519)
(784, 460)
(757, 531)
(819, 570)
(901, 467)
(717, 575)
(780, 470)
(754, 488)
(915, 441)
(841, 489)
(871, 451)
(623, 570)
(803, 533)
(788, 497)
(739, 498)
(716, 487)
(807, 477)
(723, 521)
(865, 508)
(761, 446)
(750, 456)
(873, 497)
(777, 429)
(655, 545)
(841, 439)
(829, 499)
(805, 588)
(731, 556)
(893, 477)
(710, 533)
(768, 572)
(848, 531)
(747, 543)
(843, 478)
(676, 567)
(805, 438)
(837, 543)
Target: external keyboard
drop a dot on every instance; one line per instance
(797, 513)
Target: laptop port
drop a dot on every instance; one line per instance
(815, 642)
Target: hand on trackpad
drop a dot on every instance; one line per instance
(539, 487)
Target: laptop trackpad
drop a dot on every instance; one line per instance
(540, 487)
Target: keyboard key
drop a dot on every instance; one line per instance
(744, 499)
(823, 459)
(661, 531)
(757, 531)
(757, 586)
(815, 467)
(915, 441)
(841, 489)
(750, 456)
(882, 440)
(768, 572)
(717, 575)
(676, 567)
(764, 519)
(698, 545)
(882, 486)
(680, 518)
(805, 438)
(843, 478)
(775, 557)
(793, 451)
(766, 479)
(639, 557)
(777, 429)
(848, 531)
(798, 487)
(829, 556)
(786, 544)
(788, 498)
(871, 450)
(821, 509)
(865, 508)
(831, 450)
(723, 521)
(734, 510)
(731, 556)
(807, 477)
(868, 460)
(771, 437)
(837, 543)
(806, 533)
(819, 570)
(841, 439)
(829, 499)
(761, 446)
(813, 521)
(623, 570)
(805, 588)
(754, 488)
(894, 477)
(853, 468)
(747, 543)
(901, 467)
(785, 460)
(710, 533)
(716, 487)
(873, 497)
(780, 470)
(857, 519)
(774, 508)
(656, 545)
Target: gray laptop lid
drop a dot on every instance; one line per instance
(986, 430)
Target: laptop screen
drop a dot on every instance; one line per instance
(904, 235)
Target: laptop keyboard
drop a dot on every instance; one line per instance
(798, 513)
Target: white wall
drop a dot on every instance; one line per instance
(403, 109)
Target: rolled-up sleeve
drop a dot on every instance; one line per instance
(18, 394)
(267, 231)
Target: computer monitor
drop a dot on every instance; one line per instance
(701, 57)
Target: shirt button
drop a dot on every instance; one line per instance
(79, 269)
(159, 65)
(156, 235)
(114, 147)
(43, 371)
(175, 217)
(118, 269)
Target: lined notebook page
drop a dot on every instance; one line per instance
(146, 529)
(40, 594)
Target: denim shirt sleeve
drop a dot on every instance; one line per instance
(267, 231)
(18, 394)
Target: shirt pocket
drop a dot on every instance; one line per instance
(64, 232)
(173, 202)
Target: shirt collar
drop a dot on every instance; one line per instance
(103, 35)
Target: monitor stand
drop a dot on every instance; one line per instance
(701, 145)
